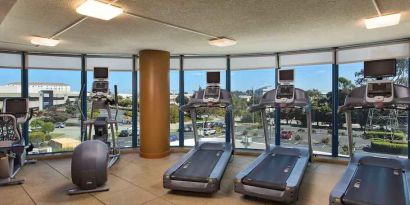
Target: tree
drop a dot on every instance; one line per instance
(36, 124)
(58, 117)
(128, 113)
(125, 102)
(70, 108)
(186, 99)
(321, 110)
(47, 127)
(174, 114)
(37, 137)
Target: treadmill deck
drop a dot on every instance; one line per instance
(375, 185)
(272, 172)
(199, 166)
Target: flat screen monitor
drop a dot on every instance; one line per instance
(286, 76)
(380, 68)
(213, 77)
(100, 72)
(16, 106)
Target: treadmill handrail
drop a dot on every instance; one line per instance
(299, 103)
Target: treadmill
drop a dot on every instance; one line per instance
(201, 169)
(277, 173)
(374, 179)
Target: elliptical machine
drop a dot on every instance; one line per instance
(96, 154)
(13, 149)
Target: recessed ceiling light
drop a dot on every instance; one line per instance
(222, 42)
(99, 10)
(44, 41)
(382, 21)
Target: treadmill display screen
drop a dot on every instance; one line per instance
(380, 68)
(213, 77)
(285, 91)
(101, 72)
(286, 76)
(379, 89)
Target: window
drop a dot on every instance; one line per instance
(10, 70)
(210, 121)
(316, 80)
(248, 86)
(174, 107)
(55, 126)
(10, 84)
(373, 130)
(123, 81)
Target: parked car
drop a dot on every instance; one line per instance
(286, 135)
(173, 138)
(188, 128)
(124, 133)
(59, 125)
(209, 131)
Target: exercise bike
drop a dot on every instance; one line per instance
(13, 149)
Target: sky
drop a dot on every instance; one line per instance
(306, 77)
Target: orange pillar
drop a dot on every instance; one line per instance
(154, 103)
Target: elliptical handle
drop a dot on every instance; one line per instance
(80, 97)
(116, 101)
(30, 114)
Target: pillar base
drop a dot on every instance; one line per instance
(155, 155)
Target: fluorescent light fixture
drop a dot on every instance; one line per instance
(44, 41)
(99, 10)
(382, 21)
(222, 42)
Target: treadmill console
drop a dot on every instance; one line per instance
(100, 85)
(212, 91)
(285, 92)
(379, 91)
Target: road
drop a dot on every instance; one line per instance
(255, 137)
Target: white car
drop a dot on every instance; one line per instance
(209, 131)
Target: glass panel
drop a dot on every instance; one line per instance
(10, 86)
(54, 62)
(373, 130)
(123, 80)
(174, 108)
(10, 60)
(204, 63)
(55, 125)
(248, 86)
(317, 81)
(210, 122)
(117, 64)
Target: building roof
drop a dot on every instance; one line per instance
(65, 140)
(41, 83)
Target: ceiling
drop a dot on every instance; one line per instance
(259, 26)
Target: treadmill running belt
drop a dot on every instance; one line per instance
(272, 172)
(198, 167)
(375, 185)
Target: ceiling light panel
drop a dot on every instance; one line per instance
(99, 10)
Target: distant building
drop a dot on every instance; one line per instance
(58, 93)
(246, 97)
(173, 98)
(36, 87)
(64, 143)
